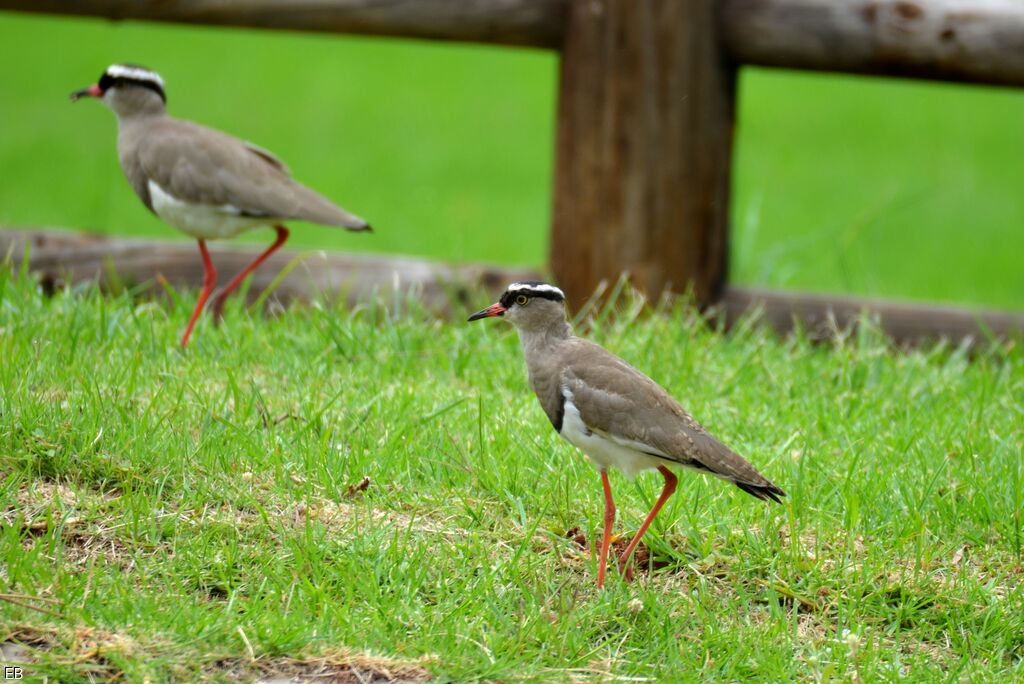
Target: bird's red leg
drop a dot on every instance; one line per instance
(609, 521)
(670, 486)
(209, 281)
(218, 302)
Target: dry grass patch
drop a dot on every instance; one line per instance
(84, 520)
(35, 500)
(338, 667)
(90, 651)
(93, 653)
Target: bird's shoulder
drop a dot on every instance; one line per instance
(587, 365)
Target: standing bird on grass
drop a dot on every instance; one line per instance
(611, 411)
(201, 181)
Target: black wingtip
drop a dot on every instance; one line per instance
(768, 492)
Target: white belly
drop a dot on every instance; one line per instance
(202, 221)
(601, 451)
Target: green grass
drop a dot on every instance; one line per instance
(869, 186)
(187, 513)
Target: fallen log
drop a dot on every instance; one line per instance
(59, 257)
(822, 316)
(62, 257)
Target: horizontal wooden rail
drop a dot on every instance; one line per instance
(64, 257)
(535, 23)
(980, 41)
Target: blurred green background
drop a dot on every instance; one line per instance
(843, 184)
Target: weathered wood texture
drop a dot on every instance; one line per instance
(645, 119)
(823, 315)
(958, 40)
(536, 23)
(60, 257)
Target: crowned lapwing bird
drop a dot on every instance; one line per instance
(206, 183)
(617, 416)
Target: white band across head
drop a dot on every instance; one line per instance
(136, 73)
(538, 287)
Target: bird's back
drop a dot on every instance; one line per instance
(202, 166)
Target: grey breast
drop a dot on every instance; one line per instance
(544, 371)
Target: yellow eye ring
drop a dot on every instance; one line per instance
(521, 300)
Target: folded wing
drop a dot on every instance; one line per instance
(199, 165)
(625, 406)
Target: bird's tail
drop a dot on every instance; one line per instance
(765, 492)
(723, 462)
(318, 209)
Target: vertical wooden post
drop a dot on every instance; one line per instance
(645, 120)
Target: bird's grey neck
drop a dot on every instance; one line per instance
(539, 341)
(134, 104)
(141, 116)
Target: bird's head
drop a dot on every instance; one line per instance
(128, 89)
(531, 306)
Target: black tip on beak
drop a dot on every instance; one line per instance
(91, 91)
(489, 312)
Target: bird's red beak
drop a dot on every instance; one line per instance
(489, 312)
(91, 91)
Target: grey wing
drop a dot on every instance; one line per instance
(622, 403)
(627, 407)
(200, 165)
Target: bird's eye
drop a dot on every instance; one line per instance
(521, 300)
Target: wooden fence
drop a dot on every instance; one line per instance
(646, 109)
